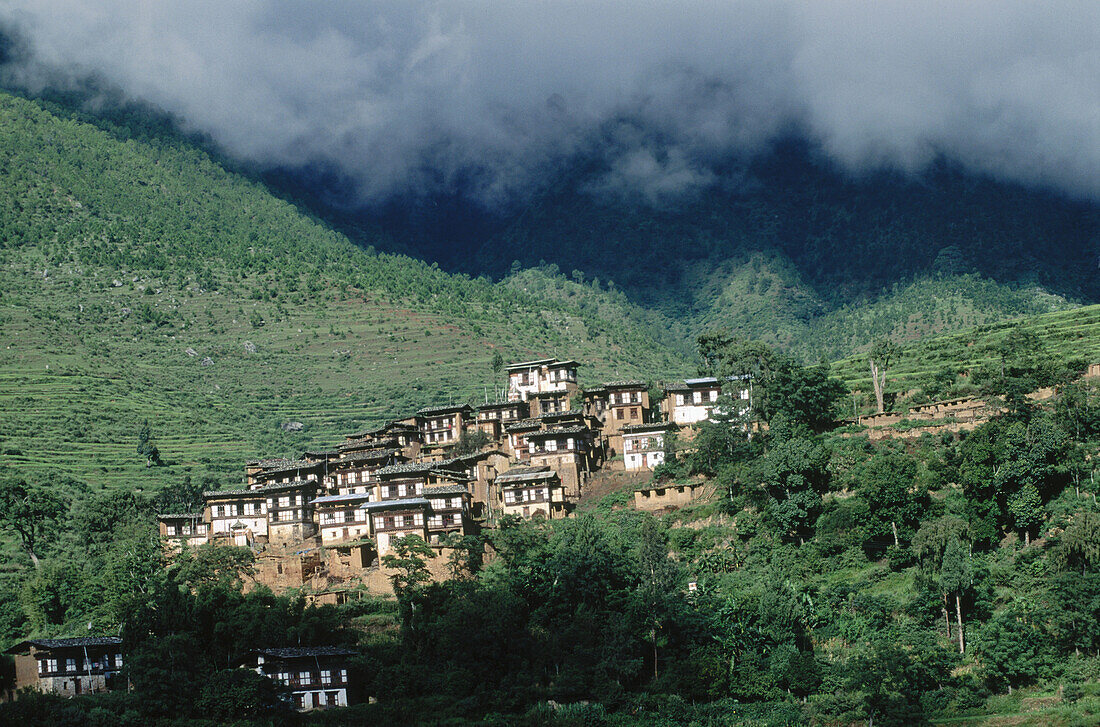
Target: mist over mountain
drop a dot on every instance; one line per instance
(815, 175)
(485, 99)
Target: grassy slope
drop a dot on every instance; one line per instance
(1068, 334)
(118, 257)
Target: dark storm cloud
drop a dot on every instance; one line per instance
(418, 95)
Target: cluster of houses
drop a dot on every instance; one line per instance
(443, 472)
(447, 470)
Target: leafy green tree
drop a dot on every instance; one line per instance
(32, 512)
(146, 447)
(1079, 544)
(956, 576)
(408, 559)
(239, 694)
(930, 545)
(793, 476)
(1014, 648)
(888, 482)
(215, 566)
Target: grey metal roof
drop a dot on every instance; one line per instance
(350, 497)
(178, 515)
(232, 493)
(629, 384)
(530, 364)
(511, 477)
(384, 504)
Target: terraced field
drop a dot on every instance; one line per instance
(143, 282)
(1071, 334)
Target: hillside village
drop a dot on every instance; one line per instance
(324, 521)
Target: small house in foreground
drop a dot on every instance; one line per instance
(67, 667)
(317, 676)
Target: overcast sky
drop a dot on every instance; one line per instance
(413, 95)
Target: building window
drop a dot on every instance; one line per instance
(70, 665)
(303, 677)
(634, 412)
(326, 677)
(697, 397)
(679, 400)
(714, 396)
(418, 519)
(619, 414)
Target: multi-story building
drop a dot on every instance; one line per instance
(67, 667)
(290, 510)
(179, 530)
(516, 435)
(353, 473)
(567, 451)
(443, 424)
(693, 400)
(341, 518)
(644, 445)
(317, 676)
(543, 375)
(238, 517)
(492, 418)
(531, 491)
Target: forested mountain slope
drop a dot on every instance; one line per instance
(785, 247)
(141, 280)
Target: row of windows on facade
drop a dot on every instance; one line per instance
(51, 666)
(642, 443)
(626, 397)
(344, 516)
(327, 677)
(527, 378)
(711, 396)
(199, 529)
(253, 508)
(514, 497)
(635, 413)
(552, 445)
(387, 522)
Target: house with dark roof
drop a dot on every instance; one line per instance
(492, 418)
(644, 445)
(317, 676)
(67, 667)
(547, 375)
(179, 529)
(443, 424)
(531, 492)
(692, 400)
(566, 450)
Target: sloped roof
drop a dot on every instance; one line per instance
(384, 504)
(434, 410)
(526, 474)
(66, 643)
(558, 432)
(651, 427)
(296, 652)
(445, 490)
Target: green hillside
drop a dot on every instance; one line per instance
(1071, 335)
(144, 281)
